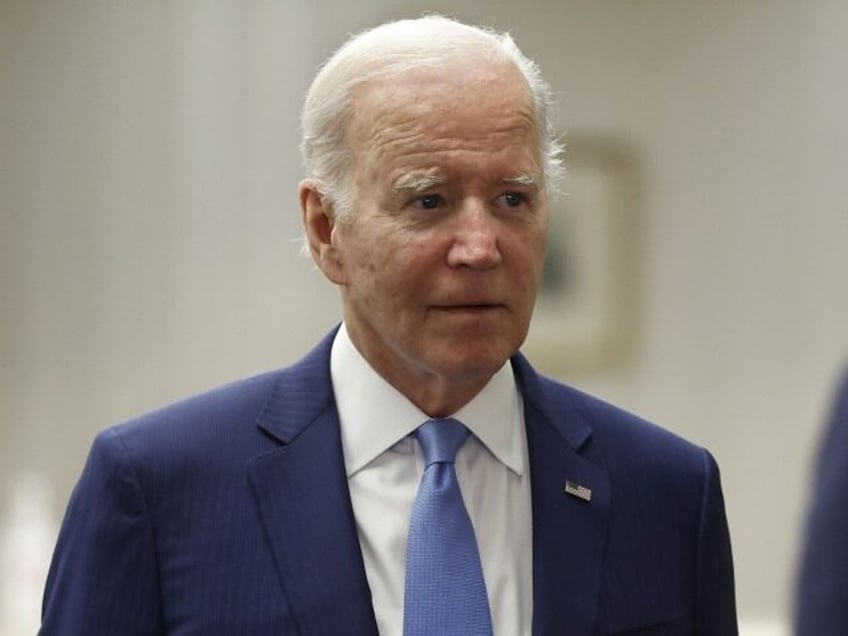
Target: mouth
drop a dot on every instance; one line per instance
(472, 308)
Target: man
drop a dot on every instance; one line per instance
(822, 586)
(290, 503)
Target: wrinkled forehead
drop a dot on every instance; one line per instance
(444, 99)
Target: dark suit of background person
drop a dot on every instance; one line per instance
(231, 512)
(822, 585)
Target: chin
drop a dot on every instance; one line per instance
(476, 361)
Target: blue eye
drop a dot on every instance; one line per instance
(429, 202)
(512, 199)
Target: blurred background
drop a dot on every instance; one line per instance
(148, 237)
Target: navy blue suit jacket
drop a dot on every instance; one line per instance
(229, 513)
(822, 585)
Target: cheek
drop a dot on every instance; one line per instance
(357, 254)
(372, 268)
(373, 276)
(540, 245)
(531, 250)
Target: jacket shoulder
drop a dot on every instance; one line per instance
(608, 434)
(229, 415)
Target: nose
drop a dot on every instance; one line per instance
(475, 242)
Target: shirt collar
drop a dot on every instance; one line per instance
(494, 415)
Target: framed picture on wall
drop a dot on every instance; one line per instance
(586, 312)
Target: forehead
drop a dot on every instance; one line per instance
(436, 114)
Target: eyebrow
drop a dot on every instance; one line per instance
(527, 179)
(420, 182)
(416, 182)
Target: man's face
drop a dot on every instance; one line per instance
(441, 258)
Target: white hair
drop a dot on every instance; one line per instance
(390, 50)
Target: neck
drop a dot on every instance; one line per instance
(440, 397)
(438, 393)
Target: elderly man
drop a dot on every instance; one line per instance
(412, 474)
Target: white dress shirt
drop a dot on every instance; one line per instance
(384, 466)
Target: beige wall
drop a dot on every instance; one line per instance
(147, 191)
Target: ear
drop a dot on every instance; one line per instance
(319, 225)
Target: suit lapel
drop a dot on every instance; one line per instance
(304, 504)
(302, 495)
(569, 532)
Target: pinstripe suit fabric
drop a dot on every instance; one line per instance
(229, 513)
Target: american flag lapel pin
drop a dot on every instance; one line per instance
(577, 490)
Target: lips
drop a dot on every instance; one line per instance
(469, 307)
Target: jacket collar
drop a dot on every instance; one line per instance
(303, 499)
(304, 503)
(571, 506)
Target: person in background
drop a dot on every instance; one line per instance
(413, 473)
(822, 582)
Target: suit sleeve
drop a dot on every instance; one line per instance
(103, 577)
(716, 596)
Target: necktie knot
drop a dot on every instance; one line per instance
(440, 440)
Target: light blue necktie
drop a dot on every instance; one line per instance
(445, 593)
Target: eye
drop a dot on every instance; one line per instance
(511, 199)
(428, 202)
